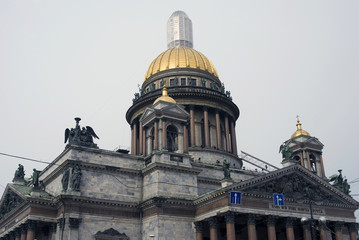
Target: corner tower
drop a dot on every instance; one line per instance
(193, 82)
(306, 150)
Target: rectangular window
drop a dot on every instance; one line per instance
(183, 81)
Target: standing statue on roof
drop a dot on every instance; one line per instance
(81, 137)
(226, 171)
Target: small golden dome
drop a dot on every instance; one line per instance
(299, 131)
(180, 57)
(164, 97)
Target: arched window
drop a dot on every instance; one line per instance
(312, 163)
(172, 138)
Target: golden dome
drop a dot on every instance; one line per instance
(164, 97)
(299, 131)
(180, 57)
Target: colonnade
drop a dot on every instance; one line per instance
(27, 231)
(33, 229)
(288, 227)
(141, 137)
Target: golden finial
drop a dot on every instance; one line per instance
(164, 96)
(299, 125)
(164, 90)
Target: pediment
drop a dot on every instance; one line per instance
(298, 184)
(304, 140)
(11, 199)
(148, 112)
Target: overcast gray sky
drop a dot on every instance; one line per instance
(279, 58)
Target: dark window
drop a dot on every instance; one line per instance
(172, 138)
(183, 81)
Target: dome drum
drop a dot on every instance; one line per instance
(186, 95)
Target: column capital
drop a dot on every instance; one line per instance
(213, 223)
(17, 232)
(352, 227)
(205, 108)
(61, 222)
(31, 224)
(23, 228)
(229, 217)
(198, 226)
(251, 219)
(271, 220)
(74, 223)
(289, 222)
(338, 226)
(53, 227)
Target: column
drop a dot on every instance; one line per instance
(61, 224)
(132, 140)
(144, 149)
(213, 224)
(307, 231)
(155, 137)
(251, 224)
(323, 231)
(218, 130)
(199, 230)
(140, 139)
(192, 130)
(338, 226)
(206, 127)
(234, 141)
(135, 138)
(226, 126)
(271, 228)
(164, 134)
(230, 228)
(185, 138)
(308, 162)
(31, 226)
(301, 159)
(23, 229)
(352, 227)
(322, 165)
(289, 229)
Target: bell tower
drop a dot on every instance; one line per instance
(306, 150)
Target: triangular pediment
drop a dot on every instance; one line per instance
(147, 113)
(10, 200)
(304, 140)
(295, 183)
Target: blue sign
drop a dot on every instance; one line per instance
(235, 198)
(278, 199)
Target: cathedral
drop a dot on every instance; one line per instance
(183, 178)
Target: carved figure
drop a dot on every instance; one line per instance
(83, 137)
(65, 179)
(19, 173)
(339, 182)
(35, 178)
(76, 178)
(286, 152)
(226, 171)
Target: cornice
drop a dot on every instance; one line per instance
(169, 167)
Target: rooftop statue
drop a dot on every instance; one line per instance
(226, 170)
(339, 182)
(82, 137)
(286, 152)
(19, 173)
